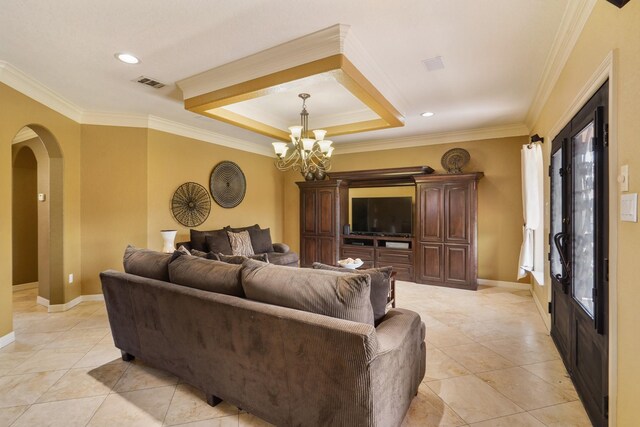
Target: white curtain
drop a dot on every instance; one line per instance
(532, 200)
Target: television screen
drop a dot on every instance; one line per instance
(381, 215)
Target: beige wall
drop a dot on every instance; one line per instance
(25, 216)
(607, 29)
(174, 160)
(499, 195)
(19, 110)
(114, 198)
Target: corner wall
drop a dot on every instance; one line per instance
(499, 195)
(19, 110)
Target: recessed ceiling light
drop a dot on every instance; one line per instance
(127, 58)
(427, 114)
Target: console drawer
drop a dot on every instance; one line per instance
(394, 256)
(365, 254)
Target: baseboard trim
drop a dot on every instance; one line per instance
(7, 339)
(504, 284)
(544, 313)
(42, 301)
(94, 297)
(25, 286)
(57, 308)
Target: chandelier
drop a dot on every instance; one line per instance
(309, 156)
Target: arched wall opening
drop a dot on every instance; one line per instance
(48, 157)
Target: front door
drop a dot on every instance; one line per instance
(579, 252)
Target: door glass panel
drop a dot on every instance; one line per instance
(556, 210)
(583, 260)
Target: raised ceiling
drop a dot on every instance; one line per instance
(498, 57)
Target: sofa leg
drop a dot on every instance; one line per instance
(213, 400)
(126, 356)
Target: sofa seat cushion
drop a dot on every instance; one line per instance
(330, 293)
(146, 263)
(279, 258)
(380, 285)
(206, 274)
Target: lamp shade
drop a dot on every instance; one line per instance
(296, 131)
(325, 145)
(307, 143)
(319, 134)
(280, 148)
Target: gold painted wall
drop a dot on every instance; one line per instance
(114, 198)
(25, 217)
(174, 160)
(499, 195)
(610, 28)
(19, 110)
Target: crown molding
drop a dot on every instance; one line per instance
(433, 139)
(115, 119)
(16, 79)
(571, 26)
(175, 128)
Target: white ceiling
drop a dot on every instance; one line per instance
(496, 53)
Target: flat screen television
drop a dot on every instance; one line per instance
(387, 216)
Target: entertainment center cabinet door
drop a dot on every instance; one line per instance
(457, 265)
(457, 200)
(430, 212)
(432, 261)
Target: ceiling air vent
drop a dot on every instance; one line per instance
(150, 82)
(434, 63)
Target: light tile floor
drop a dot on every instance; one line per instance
(490, 362)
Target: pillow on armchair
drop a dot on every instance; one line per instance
(261, 240)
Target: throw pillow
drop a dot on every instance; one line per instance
(239, 259)
(240, 243)
(217, 241)
(344, 296)
(261, 240)
(146, 263)
(205, 274)
(198, 253)
(380, 285)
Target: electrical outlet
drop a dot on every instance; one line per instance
(71, 278)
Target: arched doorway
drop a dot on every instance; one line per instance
(34, 143)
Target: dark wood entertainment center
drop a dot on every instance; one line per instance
(443, 248)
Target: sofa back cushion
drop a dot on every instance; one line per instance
(206, 274)
(146, 263)
(380, 285)
(335, 294)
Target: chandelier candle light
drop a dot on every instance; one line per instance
(310, 156)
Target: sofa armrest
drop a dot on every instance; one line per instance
(185, 244)
(399, 364)
(281, 247)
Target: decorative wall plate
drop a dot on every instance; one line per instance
(455, 159)
(190, 204)
(227, 184)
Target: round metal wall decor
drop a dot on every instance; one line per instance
(227, 184)
(455, 159)
(190, 204)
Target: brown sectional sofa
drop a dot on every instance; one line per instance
(287, 365)
(216, 241)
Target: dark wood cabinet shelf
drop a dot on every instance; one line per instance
(443, 249)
